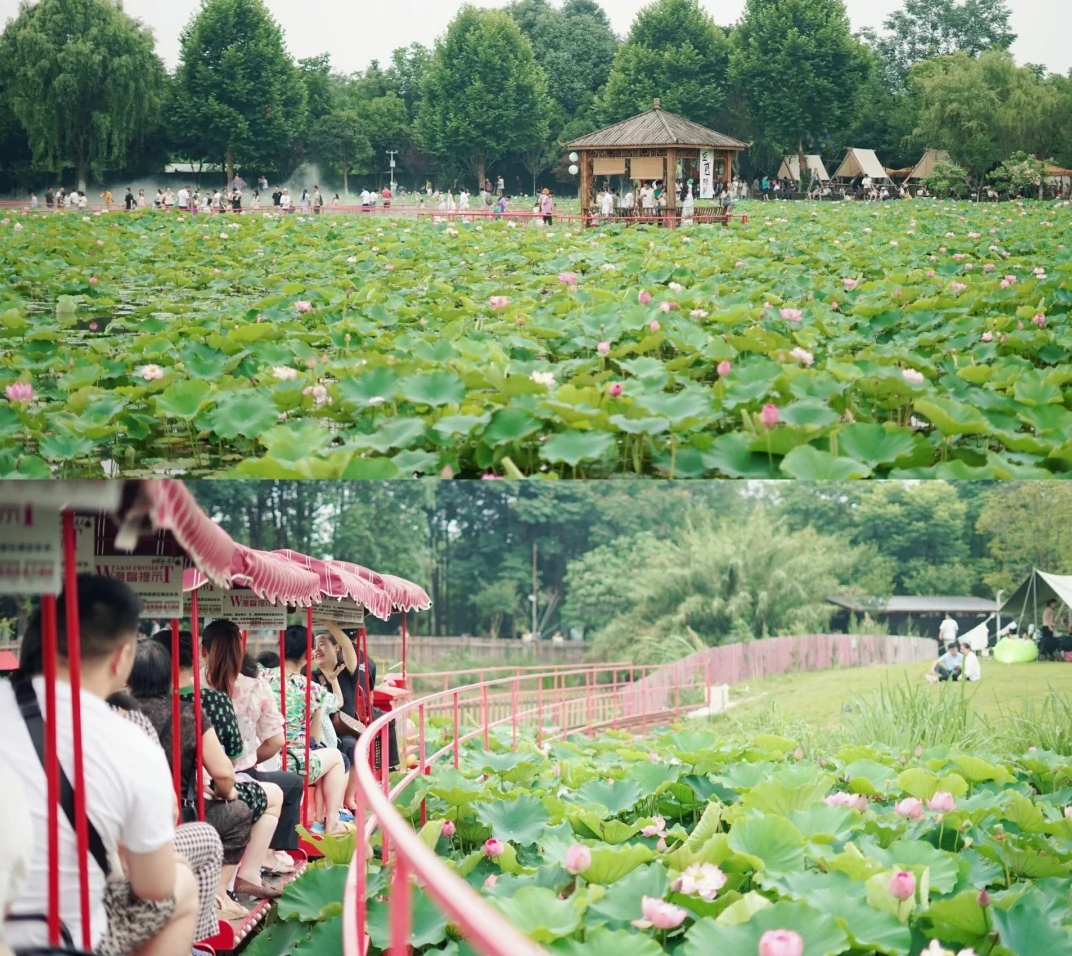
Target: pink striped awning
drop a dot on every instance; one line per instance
(268, 576)
(339, 583)
(406, 595)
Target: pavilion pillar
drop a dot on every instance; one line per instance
(729, 167)
(670, 184)
(585, 186)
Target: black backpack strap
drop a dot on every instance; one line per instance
(35, 724)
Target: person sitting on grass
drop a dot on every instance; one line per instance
(972, 670)
(948, 667)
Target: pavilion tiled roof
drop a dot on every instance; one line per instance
(656, 128)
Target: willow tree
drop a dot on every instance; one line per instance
(83, 79)
(238, 96)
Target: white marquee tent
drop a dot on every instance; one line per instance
(926, 165)
(1029, 600)
(861, 162)
(790, 168)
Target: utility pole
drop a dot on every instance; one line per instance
(393, 153)
(534, 590)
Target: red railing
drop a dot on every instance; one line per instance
(444, 680)
(545, 706)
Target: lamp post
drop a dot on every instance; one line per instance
(393, 153)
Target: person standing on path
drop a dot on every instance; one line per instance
(547, 206)
(500, 187)
(947, 631)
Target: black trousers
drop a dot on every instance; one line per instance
(945, 674)
(286, 834)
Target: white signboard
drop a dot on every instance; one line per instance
(344, 613)
(157, 581)
(30, 555)
(242, 606)
(707, 174)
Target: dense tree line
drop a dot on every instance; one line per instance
(82, 90)
(666, 565)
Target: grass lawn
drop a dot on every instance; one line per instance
(819, 699)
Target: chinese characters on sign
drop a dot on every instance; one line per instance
(345, 613)
(242, 607)
(157, 581)
(707, 174)
(29, 550)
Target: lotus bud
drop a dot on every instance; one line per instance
(448, 828)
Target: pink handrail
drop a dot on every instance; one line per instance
(464, 677)
(513, 701)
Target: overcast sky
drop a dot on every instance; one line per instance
(356, 32)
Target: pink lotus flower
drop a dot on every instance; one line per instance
(492, 879)
(100, 242)
(791, 315)
(319, 394)
(930, 273)
(282, 373)
(700, 879)
(910, 808)
(699, 313)
(206, 236)
(942, 250)
(20, 392)
(1005, 283)
(92, 280)
(603, 348)
(902, 885)
(989, 267)
(302, 306)
(957, 287)
(390, 267)
(493, 848)
(769, 415)
(655, 828)
(150, 373)
(1040, 321)
(498, 302)
(781, 942)
(738, 264)
(667, 306)
(1068, 813)
(849, 284)
(614, 389)
(987, 337)
(654, 326)
(578, 858)
(567, 278)
(723, 368)
(942, 802)
(660, 914)
(1012, 280)
(93, 326)
(854, 801)
(448, 829)
(661, 846)
(803, 356)
(645, 297)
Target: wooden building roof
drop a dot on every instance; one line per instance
(656, 128)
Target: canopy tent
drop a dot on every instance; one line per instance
(1029, 600)
(790, 168)
(860, 162)
(926, 165)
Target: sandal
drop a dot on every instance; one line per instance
(282, 865)
(261, 892)
(230, 910)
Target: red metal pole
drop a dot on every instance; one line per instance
(361, 864)
(74, 670)
(283, 695)
(52, 763)
(456, 754)
(245, 634)
(400, 908)
(195, 639)
(423, 765)
(404, 646)
(308, 706)
(176, 737)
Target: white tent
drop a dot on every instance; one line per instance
(790, 168)
(926, 165)
(861, 162)
(1029, 600)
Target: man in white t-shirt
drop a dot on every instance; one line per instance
(183, 198)
(16, 848)
(947, 631)
(128, 789)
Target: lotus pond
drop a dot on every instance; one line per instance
(835, 341)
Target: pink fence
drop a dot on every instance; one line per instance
(754, 660)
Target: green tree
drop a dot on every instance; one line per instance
(721, 581)
(386, 125)
(946, 178)
(337, 139)
(1020, 175)
(983, 110)
(406, 73)
(674, 52)
(319, 90)
(239, 99)
(924, 29)
(84, 81)
(483, 94)
(799, 67)
(1029, 525)
(575, 48)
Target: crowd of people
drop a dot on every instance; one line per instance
(160, 878)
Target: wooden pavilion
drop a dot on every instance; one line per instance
(656, 146)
